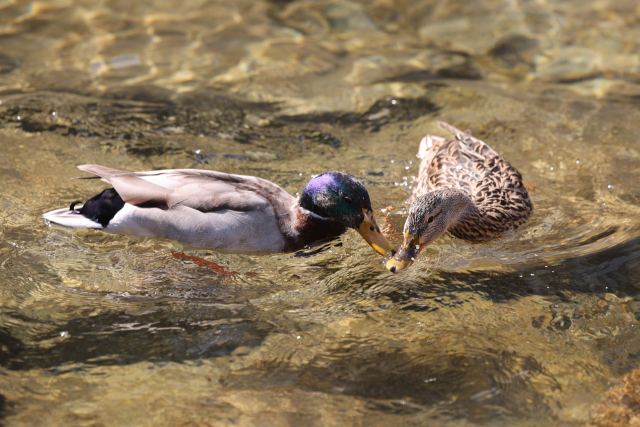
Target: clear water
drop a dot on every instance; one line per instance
(528, 329)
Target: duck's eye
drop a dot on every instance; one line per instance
(348, 200)
(430, 220)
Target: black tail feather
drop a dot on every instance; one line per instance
(102, 207)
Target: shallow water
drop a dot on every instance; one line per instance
(528, 329)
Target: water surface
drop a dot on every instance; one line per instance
(527, 329)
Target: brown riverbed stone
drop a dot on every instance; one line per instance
(621, 405)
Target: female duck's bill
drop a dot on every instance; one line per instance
(406, 255)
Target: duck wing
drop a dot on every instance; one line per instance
(462, 162)
(453, 163)
(203, 190)
(469, 164)
(494, 186)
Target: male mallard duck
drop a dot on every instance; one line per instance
(225, 212)
(464, 187)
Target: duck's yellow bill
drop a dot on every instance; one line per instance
(370, 232)
(406, 254)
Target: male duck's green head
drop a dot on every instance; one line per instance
(343, 198)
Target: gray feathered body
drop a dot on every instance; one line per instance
(205, 209)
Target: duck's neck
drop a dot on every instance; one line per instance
(307, 228)
(472, 222)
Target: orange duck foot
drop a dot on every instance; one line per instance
(201, 262)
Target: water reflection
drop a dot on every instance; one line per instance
(119, 330)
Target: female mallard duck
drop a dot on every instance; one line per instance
(224, 212)
(464, 187)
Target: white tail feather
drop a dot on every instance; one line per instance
(427, 144)
(70, 218)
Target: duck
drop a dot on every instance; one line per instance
(464, 187)
(224, 212)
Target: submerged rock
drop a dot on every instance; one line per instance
(7, 64)
(569, 64)
(619, 408)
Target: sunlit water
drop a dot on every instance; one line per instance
(527, 329)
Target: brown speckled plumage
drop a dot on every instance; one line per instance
(471, 166)
(463, 187)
